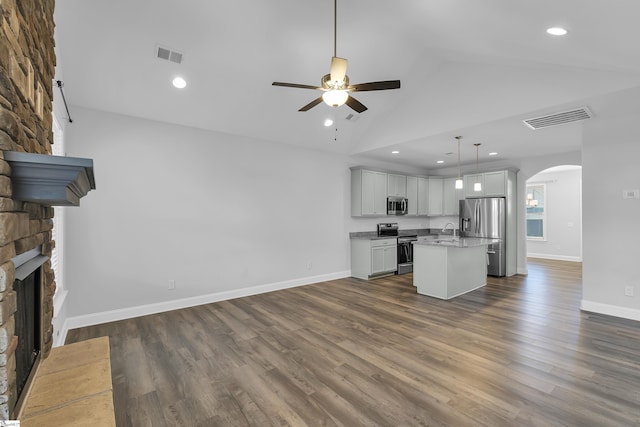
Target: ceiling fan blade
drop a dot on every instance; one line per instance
(311, 104)
(355, 104)
(388, 84)
(296, 85)
(338, 69)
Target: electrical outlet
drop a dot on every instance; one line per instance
(628, 291)
(172, 285)
(309, 265)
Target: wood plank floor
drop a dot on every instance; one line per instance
(518, 352)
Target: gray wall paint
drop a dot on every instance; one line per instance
(563, 216)
(211, 211)
(611, 223)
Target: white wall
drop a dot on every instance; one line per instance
(563, 239)
(611, 153)
(222, 215)
(214, 212)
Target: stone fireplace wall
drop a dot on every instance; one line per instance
(27, 66)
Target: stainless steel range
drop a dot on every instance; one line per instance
(405, 246)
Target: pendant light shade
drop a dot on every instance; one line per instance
(459, 183)
(478, 185)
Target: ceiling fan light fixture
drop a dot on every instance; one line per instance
(335, 98)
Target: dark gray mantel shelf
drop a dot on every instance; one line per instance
(50, 180)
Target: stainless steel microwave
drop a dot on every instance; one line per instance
(397, 205)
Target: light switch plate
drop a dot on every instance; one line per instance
(631, 194)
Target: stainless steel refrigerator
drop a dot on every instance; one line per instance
(487, 217)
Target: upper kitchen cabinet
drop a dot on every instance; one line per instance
(412, 195)
(418, 196)
(436, 200)
(423, 196)
(494, 184)
(396, 185)
(368, 193)
(451, 197)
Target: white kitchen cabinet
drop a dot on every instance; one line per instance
(451, 197)
(435, 197)
(396, 185)
(373, 257)
(469, 182)
(368, 193)
(423, 196)
(495, 184)
(412, 195)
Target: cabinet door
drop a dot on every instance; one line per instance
(391, 258)
(380, 194)
(435, 196)
(412, 195)
(469, 182)
(451, 197)
(423, 196)
(397, 185)
(377, 260)
(495, 184)
(374, 193)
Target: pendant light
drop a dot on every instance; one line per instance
(459, 183)
(478, 185)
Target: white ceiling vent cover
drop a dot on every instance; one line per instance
(168, 54)
(581, 113)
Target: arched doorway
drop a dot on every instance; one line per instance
(553, 214)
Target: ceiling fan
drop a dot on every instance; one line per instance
(335, 85)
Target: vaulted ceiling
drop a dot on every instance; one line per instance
(469, 68)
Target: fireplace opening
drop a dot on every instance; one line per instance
(28, 328)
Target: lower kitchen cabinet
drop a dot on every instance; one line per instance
(373, 257)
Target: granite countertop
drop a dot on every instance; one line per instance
(373, 235)
(463, 242)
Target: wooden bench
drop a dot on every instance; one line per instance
(72, 387)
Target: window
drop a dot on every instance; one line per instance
(536, 213)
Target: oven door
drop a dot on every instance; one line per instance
(405, 255)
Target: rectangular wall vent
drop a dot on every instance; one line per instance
(168, 54)
(581, 113)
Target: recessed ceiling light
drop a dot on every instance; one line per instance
(328, 122)
(493, 154)
(179, 82)
(556, 31)
(395, 152)
(440, 162)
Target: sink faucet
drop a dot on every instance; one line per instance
(453, 228)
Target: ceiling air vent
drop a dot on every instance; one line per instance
(168, 55)
(352, 117)
(581, 113)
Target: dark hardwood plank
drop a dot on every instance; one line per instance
(355, 353)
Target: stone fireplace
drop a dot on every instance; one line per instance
(27, 66)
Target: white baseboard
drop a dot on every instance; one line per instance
(143, 310)
(555, 257)
(610, 310)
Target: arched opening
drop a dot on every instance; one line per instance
(553, 214)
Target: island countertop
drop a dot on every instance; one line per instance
(462, 242)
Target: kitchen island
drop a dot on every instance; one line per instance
(446, 268)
